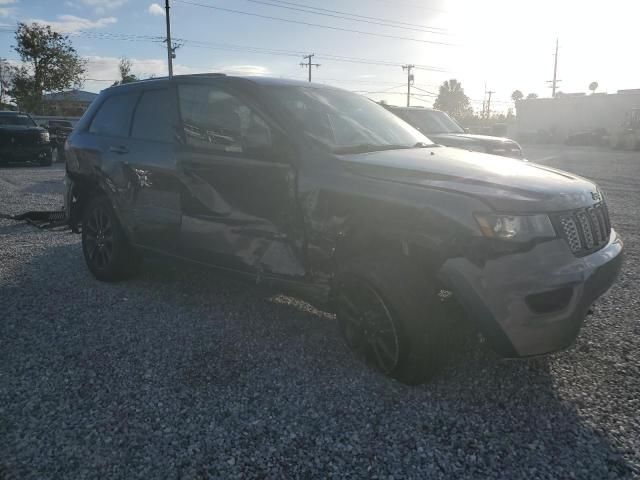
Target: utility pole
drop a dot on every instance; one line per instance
(309, 64)
(408, 68)
(170, 50)
(489, 93)
(1, 81)
(554, 82)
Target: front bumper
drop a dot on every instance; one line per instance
(498, 294)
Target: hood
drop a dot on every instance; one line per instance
(505, 184)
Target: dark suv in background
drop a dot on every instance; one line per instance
(22, 140)
(443, 129)
(328, 196)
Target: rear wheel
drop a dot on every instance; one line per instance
(107, 251)
(391, 318)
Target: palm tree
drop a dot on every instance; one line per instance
(593, 86)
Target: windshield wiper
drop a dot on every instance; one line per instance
(425, 145)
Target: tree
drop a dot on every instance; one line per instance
(452, 99)
(532, 96)
(49, 64)
(125, 72)
(517, 95)
(5, 75)
(593, 86)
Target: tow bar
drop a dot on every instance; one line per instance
(49, 220)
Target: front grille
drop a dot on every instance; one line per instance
(585, 230)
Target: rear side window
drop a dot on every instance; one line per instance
(218, 120)
(152, 118)
(114, 116)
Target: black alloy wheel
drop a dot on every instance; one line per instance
(107, 250)
(99, 237)
(367, 325)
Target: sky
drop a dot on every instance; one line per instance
(497, 45)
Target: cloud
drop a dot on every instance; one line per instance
(155, 9)
(7, 11)
(101, 6)
(104, 70)
(72, 24)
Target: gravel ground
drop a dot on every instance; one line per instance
(181, 373)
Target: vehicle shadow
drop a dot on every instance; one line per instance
(31, 165)
(183, 359)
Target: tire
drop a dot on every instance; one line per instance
(390, 316)
(47, 161)
(107, 251)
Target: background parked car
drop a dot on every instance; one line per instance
(22, 140)
(443, 129)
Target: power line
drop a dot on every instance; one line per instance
(386, 20)
(426, 91)
(248, 49)
(386, 90)
(309, 24)
(294, 53)
(416, 5)
(358, 18)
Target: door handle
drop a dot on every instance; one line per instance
(120, 150)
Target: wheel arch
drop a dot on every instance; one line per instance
(80, 192)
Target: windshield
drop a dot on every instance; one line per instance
(344, 122)
(16, 119)
(431, 121)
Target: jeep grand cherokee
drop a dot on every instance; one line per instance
(323, 193)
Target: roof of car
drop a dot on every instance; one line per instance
(254, 79)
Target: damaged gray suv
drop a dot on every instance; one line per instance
(328, 196)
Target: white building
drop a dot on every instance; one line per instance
(572, 113)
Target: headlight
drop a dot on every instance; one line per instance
(517, 228)
(44, 137)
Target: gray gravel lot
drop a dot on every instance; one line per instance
(180, 373)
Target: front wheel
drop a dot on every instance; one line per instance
(391, 318)
(107, 251)
(46, 160)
